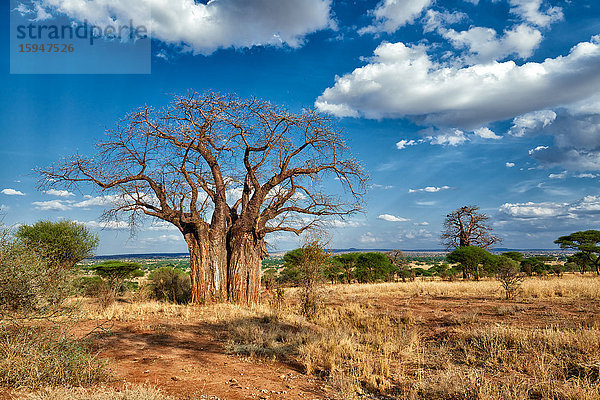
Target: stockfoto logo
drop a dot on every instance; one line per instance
(57, 44)
(82, 31)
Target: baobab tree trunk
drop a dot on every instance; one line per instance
(245, 258)
(208, 264)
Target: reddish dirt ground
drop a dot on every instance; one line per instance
(188, 362)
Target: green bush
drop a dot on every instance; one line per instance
(170, 284)
(28, 286)
(89, 286)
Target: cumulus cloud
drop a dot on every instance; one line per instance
(369, 238)
(59, 193)
(12, 192)
(392, 14)
(204, 28)
(531, 11)
(392, 218)
(532, 121)
(532, 210)
(484, 44)
(404, 81)
(98, 201)
(436, 20)
(429, 189)
(486, 133)
(110, 225)
(561, 175)
(445, 137)
(582, 209)
(405, 143)
(510, 164)
(576, 136)
(51, 205)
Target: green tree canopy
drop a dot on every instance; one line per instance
(587, 242)
(470, 258)
(514, 255)
(372, 267)
(117, 272)
(62, 244)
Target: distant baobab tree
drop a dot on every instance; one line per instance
(226, 172)
(467, 227)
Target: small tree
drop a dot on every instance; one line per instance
(372, 267)
(467, 227)
(509, 276)
(470, 259)
(401, 265)
(348, 262)
(312, 261)
(581, 261)
(115, 273)
(586, 242)
(62, 244)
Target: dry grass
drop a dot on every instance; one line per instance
(569, 286)
(35, 357)
(366, 351)
(129, 393)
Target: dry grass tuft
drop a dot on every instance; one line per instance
(129, 393)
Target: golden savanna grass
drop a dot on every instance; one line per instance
(364, 349)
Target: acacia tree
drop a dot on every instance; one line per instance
(226, 172)
(467, 227)
(588, 244)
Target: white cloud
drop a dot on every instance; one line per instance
(99, 201)
(447, 137)
(111, 225)
(405, 143)
(59, 193)
(434, 20)
(576, 133)
(392, 218)
(532, 210)
(531, 11)
(51, 205)
(393, 14)
(510, 164)
(581, 210)
(384, 187)
(204, 28)
(404, 81)
(12, 192)
(561, 175)
(486, 133)
(369, 238)
(531, 121)
(586, 175)
(429, 189)
(484, 45)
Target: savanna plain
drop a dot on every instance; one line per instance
(420, 339)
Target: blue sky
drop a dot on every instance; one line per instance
(447, 103)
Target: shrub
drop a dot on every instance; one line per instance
(170, 284)
(28, 286)
(89, 286)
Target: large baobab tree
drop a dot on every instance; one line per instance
(467, 227)
(226, 172)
